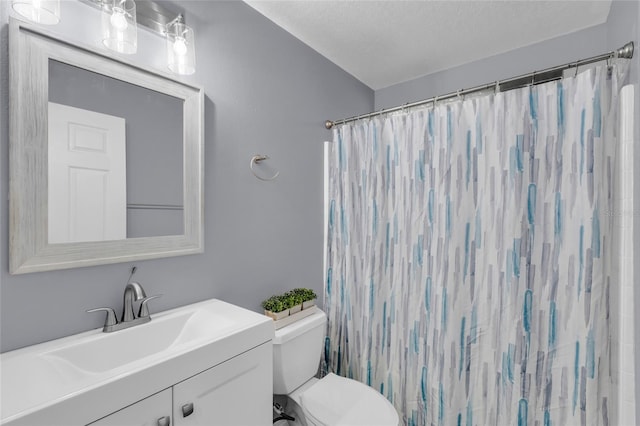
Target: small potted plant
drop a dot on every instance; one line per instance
(308, 297)
(276, 307)
(293, 301)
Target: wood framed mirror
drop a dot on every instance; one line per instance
(106, 157)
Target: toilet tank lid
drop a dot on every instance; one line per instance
(299, 327)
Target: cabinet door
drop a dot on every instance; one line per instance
(237, 392)
(152, 411)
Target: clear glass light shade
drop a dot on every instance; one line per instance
(181, 49)
(45, 12)
(119, 26)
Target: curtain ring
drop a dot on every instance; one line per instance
(496, 89)
(533, 78)
(256, 159)
(609, 67)
(577, 67)
(460, 98)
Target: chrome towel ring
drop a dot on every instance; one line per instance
(256, 159)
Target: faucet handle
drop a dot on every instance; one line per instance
(111, 316)
(144, 309)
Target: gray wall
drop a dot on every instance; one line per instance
(267, 93)
(623, 25)
(578, 45)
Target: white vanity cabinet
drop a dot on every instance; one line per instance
(211, 354)
(236, 392)
(152, 411)
(231, 394)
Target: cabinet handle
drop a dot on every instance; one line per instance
(187, 409)
(164, 421)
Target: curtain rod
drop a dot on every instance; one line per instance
(535, 77)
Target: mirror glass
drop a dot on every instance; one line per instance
(115, 158)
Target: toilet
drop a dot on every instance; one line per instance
(330, 401)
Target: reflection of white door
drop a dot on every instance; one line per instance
(87, 176)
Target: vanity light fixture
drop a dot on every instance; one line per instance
(45, 12)
(120, 19)
(181, 57)
(119, 26)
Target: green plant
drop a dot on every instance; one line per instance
(305, 293)
(288, 300)
(275, 304)
(292, 299)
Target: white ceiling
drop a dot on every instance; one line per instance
(382, 43)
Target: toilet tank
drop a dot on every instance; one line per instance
(296, 352)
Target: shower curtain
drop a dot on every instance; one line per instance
(468, 277)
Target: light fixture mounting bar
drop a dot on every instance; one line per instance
(149, 14)
(177, 20)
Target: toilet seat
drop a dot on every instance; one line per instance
(338, 401)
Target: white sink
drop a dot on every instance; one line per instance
(107, 351)
(108, 369)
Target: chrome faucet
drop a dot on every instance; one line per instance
(133, 292)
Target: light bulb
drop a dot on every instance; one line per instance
(180, 46)
(118, 19)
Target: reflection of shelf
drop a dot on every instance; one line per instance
(155, 207)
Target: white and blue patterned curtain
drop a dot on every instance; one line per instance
(467, 271)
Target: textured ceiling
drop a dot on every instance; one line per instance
(382, 43)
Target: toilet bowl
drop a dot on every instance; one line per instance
(332, 400)
(338, 401)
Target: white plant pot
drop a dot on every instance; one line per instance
(277, 315)
(309, 303)
(295, 309)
